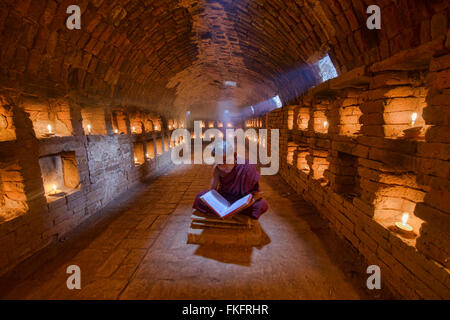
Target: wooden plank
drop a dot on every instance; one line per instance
(223, 236)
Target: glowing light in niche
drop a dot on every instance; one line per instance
(89, 128)
(49, 127)
(325, 124)
(413, 118)
(404, 226)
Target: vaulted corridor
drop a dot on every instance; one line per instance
(136, 249)
(344, 104)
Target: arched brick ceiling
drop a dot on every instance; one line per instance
(174, 55)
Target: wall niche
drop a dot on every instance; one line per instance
(59, 174)
(397, 195)
(139, 155)
(291, 148)
(159, 146)
(349, 114)
(12, 196)
(320, 121)
(93, 120)
(346, 178)
(303, 118)
(150, 149)
(318, 163)
(302, 163)
(119, 122)
(290, 119)
(149, 125)
(7, 130)
(403, 113)
(50, 119)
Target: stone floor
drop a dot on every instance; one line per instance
(136, 249)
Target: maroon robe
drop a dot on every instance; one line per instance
(242, 180)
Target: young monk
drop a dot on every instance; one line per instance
(233, 181)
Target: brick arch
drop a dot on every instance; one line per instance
(176, 54)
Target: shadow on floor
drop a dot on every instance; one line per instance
(228, 253)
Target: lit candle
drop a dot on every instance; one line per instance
(133, 129)
(147, 155)
(156, 127)
(116, 131)
(325, 124)
(89, 128)
(413, 118)
(404, 226)
(49, 127)
(135, 160)
(54, 188)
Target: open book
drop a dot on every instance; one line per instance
(222, 207)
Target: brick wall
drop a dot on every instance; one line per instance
(97, 167)
(375, 163)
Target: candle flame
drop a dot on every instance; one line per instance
(325, 123)
(413, 118)
(89, 128)
(405, 218)
(135, 159)
(116, 131)
(49, 127)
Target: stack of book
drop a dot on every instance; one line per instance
(200, 221)
(224, 228)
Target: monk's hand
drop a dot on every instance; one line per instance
(257, 195)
